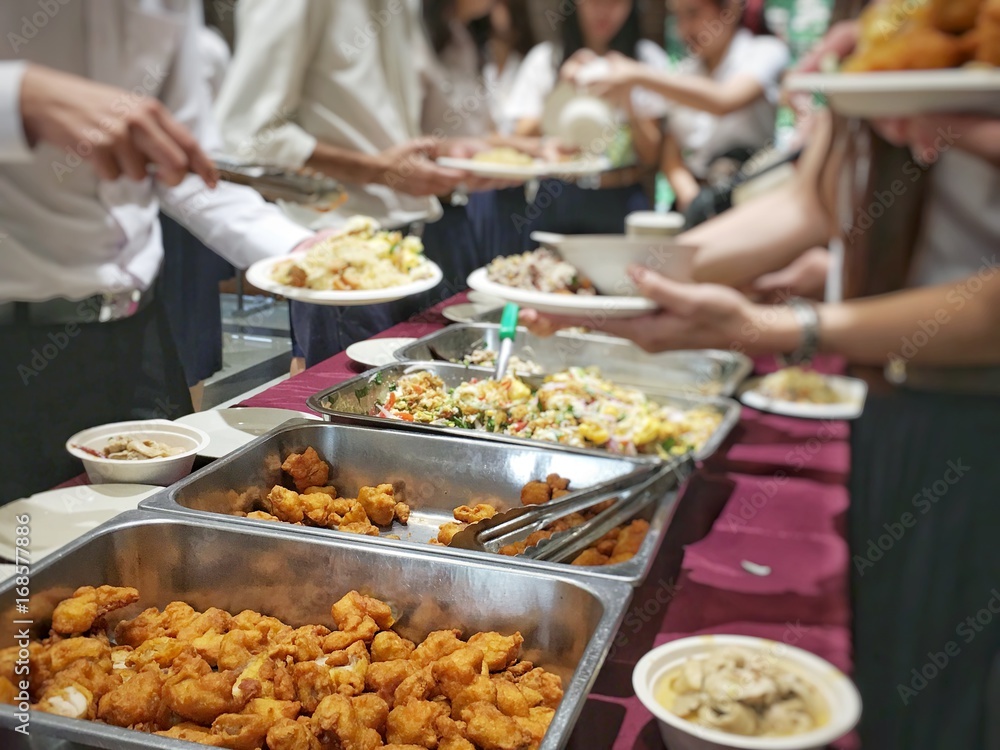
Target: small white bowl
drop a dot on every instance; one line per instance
(605, 258)
(839, 693)
(654, 224)
(160, 471)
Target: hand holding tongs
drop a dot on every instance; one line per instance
(631, 493)
(304, 186)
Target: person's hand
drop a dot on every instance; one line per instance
(691, 316)
(615, 82)
(838, 42)
(575, 62)
(930, 135)
(109, 128)
(803, 277)
(409, 168)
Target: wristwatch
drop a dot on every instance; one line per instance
(808, 317)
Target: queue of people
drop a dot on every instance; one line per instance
(107, 119)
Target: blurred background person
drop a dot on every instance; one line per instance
(593, 28)
(722, 97)
(337, 87)
(509, 38)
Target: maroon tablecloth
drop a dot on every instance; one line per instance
(779, 483)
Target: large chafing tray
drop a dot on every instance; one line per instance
(433, 473)
(567, 621)
(706, 372)
(354, 401)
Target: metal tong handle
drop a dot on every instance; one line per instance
(493, 533)
(508, 332)
(577, 539)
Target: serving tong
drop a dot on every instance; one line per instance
(630, 493)
(304, 186)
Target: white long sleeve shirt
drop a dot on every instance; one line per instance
(342, 72)
(63, 231)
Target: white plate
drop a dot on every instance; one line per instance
(904, 93)
(377, 352)
(564, 304)
(6, 571)
(230, 429)
(484, 299)
(466, 312)
(538, 168)
(852, 390)
(259, 274)
(60, 516)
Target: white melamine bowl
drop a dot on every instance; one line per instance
(160, 471)
(839, 693)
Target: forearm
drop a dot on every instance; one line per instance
(684, 185)
(693, 91)
(758, 237)
(975, 134)
(646, 138)
(347, 165)
(950, 325)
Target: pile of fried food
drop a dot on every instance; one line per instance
(742, 692)
(914, 35)
(313, 502)
(362, 256)
(618, 545)
(251, 682)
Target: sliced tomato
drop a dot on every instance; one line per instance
(406, 417)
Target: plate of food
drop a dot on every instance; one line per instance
(60, 516)
(795, 392)
(509, 163)
(229, 429)
(914, 58)
(363, 265)
(542, 281)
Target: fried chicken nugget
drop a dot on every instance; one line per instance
(590, 557)
(64, 653)
(954, 16)
(137, 701)
(988, 33)
(383, 678)
(535, 493)
(547, 684)
(248, 730)
(71, 700)
(379, 503)
(536, 723)
(205, 633)
(348, 669)
(447, 531)
(262, 515)
(402, 512)
(307, 469)
(301, 644)
(357, 613)
(419, 686)
(499, 651)
(152, 623)
(337, 718)
(285, 504)
(629, 541)
(97, 677)
(202, 696)
(453, 743)
(292, 735)
(389, 645)
(472, 514)
(557, 482)
(491, 729)
(437, 645)
(78, 613)
(372, 711)
(510, 700)
(161, 651)
(312, 683)
(414, 723)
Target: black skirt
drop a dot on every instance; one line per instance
(925, 550)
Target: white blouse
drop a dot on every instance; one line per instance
(703, 136)
(500, 84)
(457, 97)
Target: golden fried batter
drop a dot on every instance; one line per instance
(479, 512)
(312, 684)
(285, 504)
(500, 651)
(153, 623)
(491, 729)
(591, 557)
(413, 723)
(193, 733)
(196, 693)
(379, 503)
(292, 735)
(138, 701)
(77, 614)
(372, 711)
(954, 16)
(437, 645)
(337, 718)
(535, 493)
(447, 531)
(384, 677)
(307, 469)
(389, 645)
(357, 613)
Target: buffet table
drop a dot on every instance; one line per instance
(757, 548)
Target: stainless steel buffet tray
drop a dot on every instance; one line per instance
(433, 473)
(568, 622)
(707, 372)
(354, 401)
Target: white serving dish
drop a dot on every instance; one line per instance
(839, 693)
(160, 471)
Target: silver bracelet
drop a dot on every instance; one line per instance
(808, 317)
